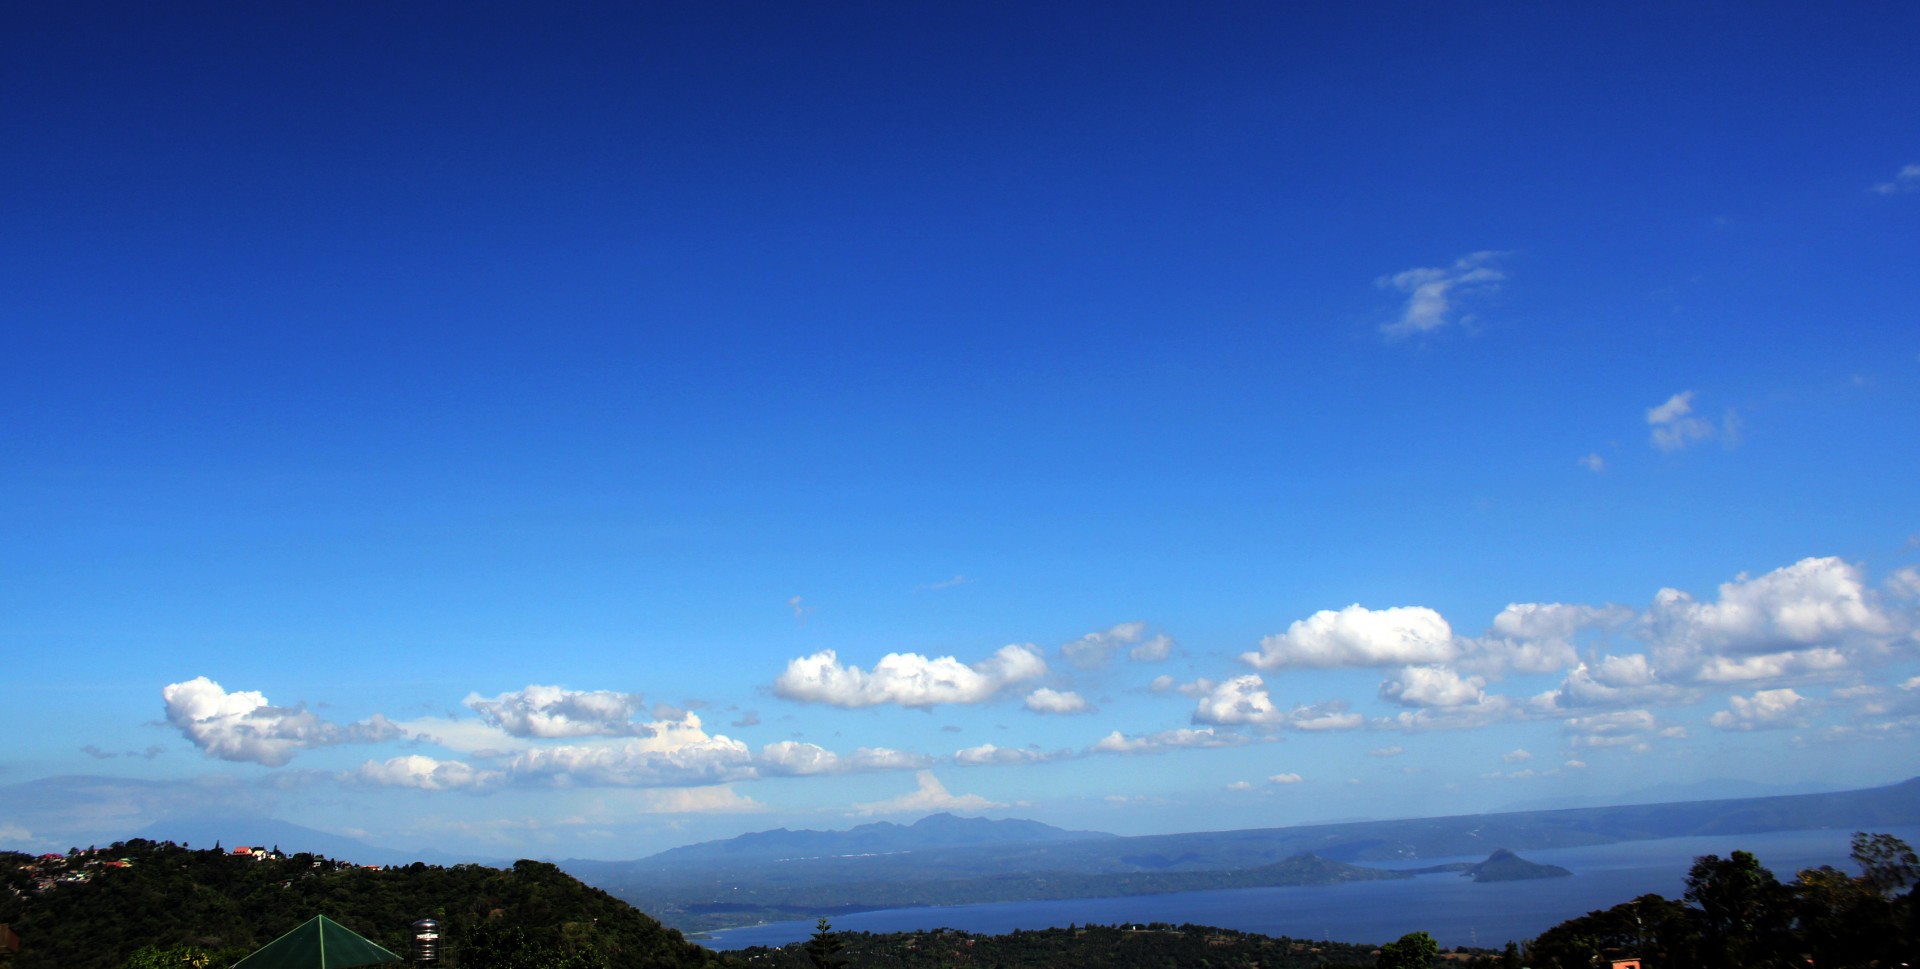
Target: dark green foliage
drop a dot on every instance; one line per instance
(1415, 950)
(532, 916)
(1152, 946)
(1887, 864)
(1659, 931)
(823, 949)
(1742, 916)
(178, 957)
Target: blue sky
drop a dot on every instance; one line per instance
(580, 431)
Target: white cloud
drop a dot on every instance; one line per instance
(1318, 717)
(1594, 462)
(1632, 729)
(1097, 649)
(1674, 425)
(1284, 779)
(1905, 180)
(1432, 686)
(1358, 636)
(1516, 756)
(931, 796)
(987, 754)
(551, 711)
(1240, 786)
(719, 799)
(1045, 700)
(1393, 751)
(1904, 583)
(1556, 620)
(1766, 709)
(675, 754)
(791, 758)
(1166, 740)
(1794, 620)
(1624, 680)
(1434, 295)
(1153, 650)
(1774, 666)
(796, 759)
(907, 679)
(1244, 700)
(243, 726)
(1537, 637)
(1162, 683)
(1486, 709)
(427, 774)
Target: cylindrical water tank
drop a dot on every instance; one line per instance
(426, 942)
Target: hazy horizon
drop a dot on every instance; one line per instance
(576, 431)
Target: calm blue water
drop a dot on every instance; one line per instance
(1454, 910)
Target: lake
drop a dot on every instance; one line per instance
(1454, 910)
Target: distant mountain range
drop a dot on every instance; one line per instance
(884, 837)
(945, 860)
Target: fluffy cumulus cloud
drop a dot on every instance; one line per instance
(1436, 296)
(791, 758)
(1432, 686)
(1245, 700)
(1097, 649)
(543, 712)
(1765, 710)
(1166, 740)
(633, 764)
(907, 679)
(931, 795)
(1611, 681)
(1813, 619)
(1358, 636)
(988, 754)
(427, 774)
(1045, 700)
(243, 726)
(720, 799)
(1633, 730)
(1284, 779)
(1803, 618)
(1480, 711)
(1556, 621)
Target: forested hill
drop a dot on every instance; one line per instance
(1151, 946)
(93, 909)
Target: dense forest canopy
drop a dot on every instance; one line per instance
(97, 908)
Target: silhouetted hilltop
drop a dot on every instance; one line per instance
(93, 908)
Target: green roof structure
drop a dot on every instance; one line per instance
(319, 943)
